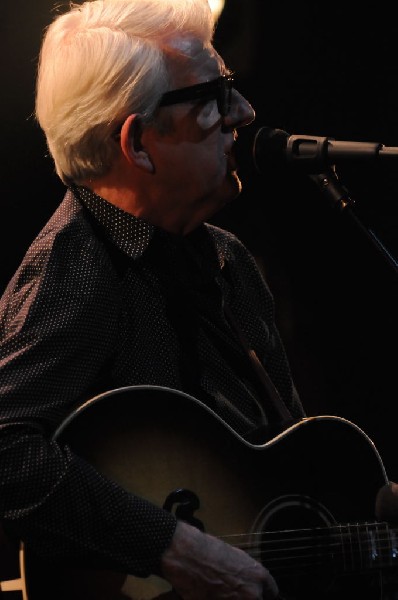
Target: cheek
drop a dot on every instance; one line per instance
(213, 161)
(205, 157)
(205, 173)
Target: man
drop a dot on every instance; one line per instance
(127, 285)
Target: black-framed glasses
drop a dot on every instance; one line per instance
(219, 89)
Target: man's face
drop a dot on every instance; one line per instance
(191, 144)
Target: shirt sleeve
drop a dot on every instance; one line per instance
(59, 320)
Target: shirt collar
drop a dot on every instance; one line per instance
(129, 233)
(134, 235)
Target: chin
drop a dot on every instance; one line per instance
(235, 184)
(230, 189)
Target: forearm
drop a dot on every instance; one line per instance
(55, 501)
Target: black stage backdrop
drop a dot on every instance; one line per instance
(307, 70)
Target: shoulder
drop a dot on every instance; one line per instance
(228, 244)
(242, 271)
(67, 231)
(65, 263)
(67, 243)
(232, 251)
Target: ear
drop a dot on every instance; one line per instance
(131, 145)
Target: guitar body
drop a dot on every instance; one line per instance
(290, 501)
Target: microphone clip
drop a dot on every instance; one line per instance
(331, 187)
(306, 152)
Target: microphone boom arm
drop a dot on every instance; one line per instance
(330, 186)
(316, 156)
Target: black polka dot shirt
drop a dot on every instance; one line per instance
(104, 300)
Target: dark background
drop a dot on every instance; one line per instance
(306, 70)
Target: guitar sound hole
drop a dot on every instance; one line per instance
(294, 545)
(293, 511)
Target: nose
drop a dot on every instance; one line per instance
(241, 113)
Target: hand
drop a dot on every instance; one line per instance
(387, 503)
(198, 566)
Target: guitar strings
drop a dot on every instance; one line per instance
(355, 547)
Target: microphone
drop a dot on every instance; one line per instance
(311, 154)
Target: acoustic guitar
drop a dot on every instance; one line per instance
(302, 502)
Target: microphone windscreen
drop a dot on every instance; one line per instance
(269, 148)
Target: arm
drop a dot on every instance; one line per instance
(58, 329)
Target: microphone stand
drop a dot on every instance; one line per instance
(330, 187)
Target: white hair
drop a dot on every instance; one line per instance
(101, 61)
